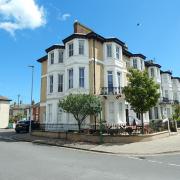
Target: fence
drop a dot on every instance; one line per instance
(112, 129)
(61, 127)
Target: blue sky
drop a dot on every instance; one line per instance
(24, 36)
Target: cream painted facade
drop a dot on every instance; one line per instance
(69, 68)
(169, 91)
(4, 112)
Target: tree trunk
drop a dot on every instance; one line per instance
(142, 121)
(95, 123)
(79, 126)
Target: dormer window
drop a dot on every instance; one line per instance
(71, 49)
(60, 56)
(81, 47)
(109, 50)
(52, 58)
(117, 52)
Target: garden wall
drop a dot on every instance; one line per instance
(96, 139)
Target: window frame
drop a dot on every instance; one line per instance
(152, 72)
(109, 51)
(110, 74)
(117, 53)
(51, 79)
(70, 49)
(135, 60)
(50, 112)
(62, 56)
(119, 79)
(51, 54)
(81, 79)
(60, 83)
(166, 93)
(70, 79)
(81, 46)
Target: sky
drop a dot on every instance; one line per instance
(28, 27)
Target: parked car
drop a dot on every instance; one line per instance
(23, 126)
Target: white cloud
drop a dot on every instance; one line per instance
(21, 14)
(64, 17)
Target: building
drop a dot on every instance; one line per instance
(36, 112)
(19, 111)
(86, 62)
(4, 111)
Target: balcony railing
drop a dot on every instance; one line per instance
(166, 100)
(111, 90)
(176, 102)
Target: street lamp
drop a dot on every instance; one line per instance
(30, 110)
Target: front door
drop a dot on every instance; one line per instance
(127, 116)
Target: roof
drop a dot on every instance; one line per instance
(127, 53)
(166, 72)
(44, 58)
(93, 35)
(151, 63)
(116, 40)
(3, 98)
(72, 36)
(176, 78)
(55, 46)
(139, 55)
(20, 106)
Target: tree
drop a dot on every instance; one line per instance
(141, 92)
(81, 106)
(176, 115)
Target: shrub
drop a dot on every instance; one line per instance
(129, 130)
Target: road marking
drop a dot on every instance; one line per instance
(171, 164)
(136, 158)
(153, 161)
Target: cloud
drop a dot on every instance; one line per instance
(21, 14)
(64, 17)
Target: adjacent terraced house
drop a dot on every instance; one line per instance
(86, 62)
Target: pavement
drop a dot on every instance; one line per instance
(169, 144)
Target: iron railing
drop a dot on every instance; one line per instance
(165, 100)
(176, 102)
(61, 127)
(109, 129)
(111, 90)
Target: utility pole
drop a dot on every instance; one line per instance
(18, 117)
(30, 110)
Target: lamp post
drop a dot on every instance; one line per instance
(101, 128)
(19, 118)
(30, 110)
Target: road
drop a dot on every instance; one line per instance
(26, 161)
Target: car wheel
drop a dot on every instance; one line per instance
(17, 131)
